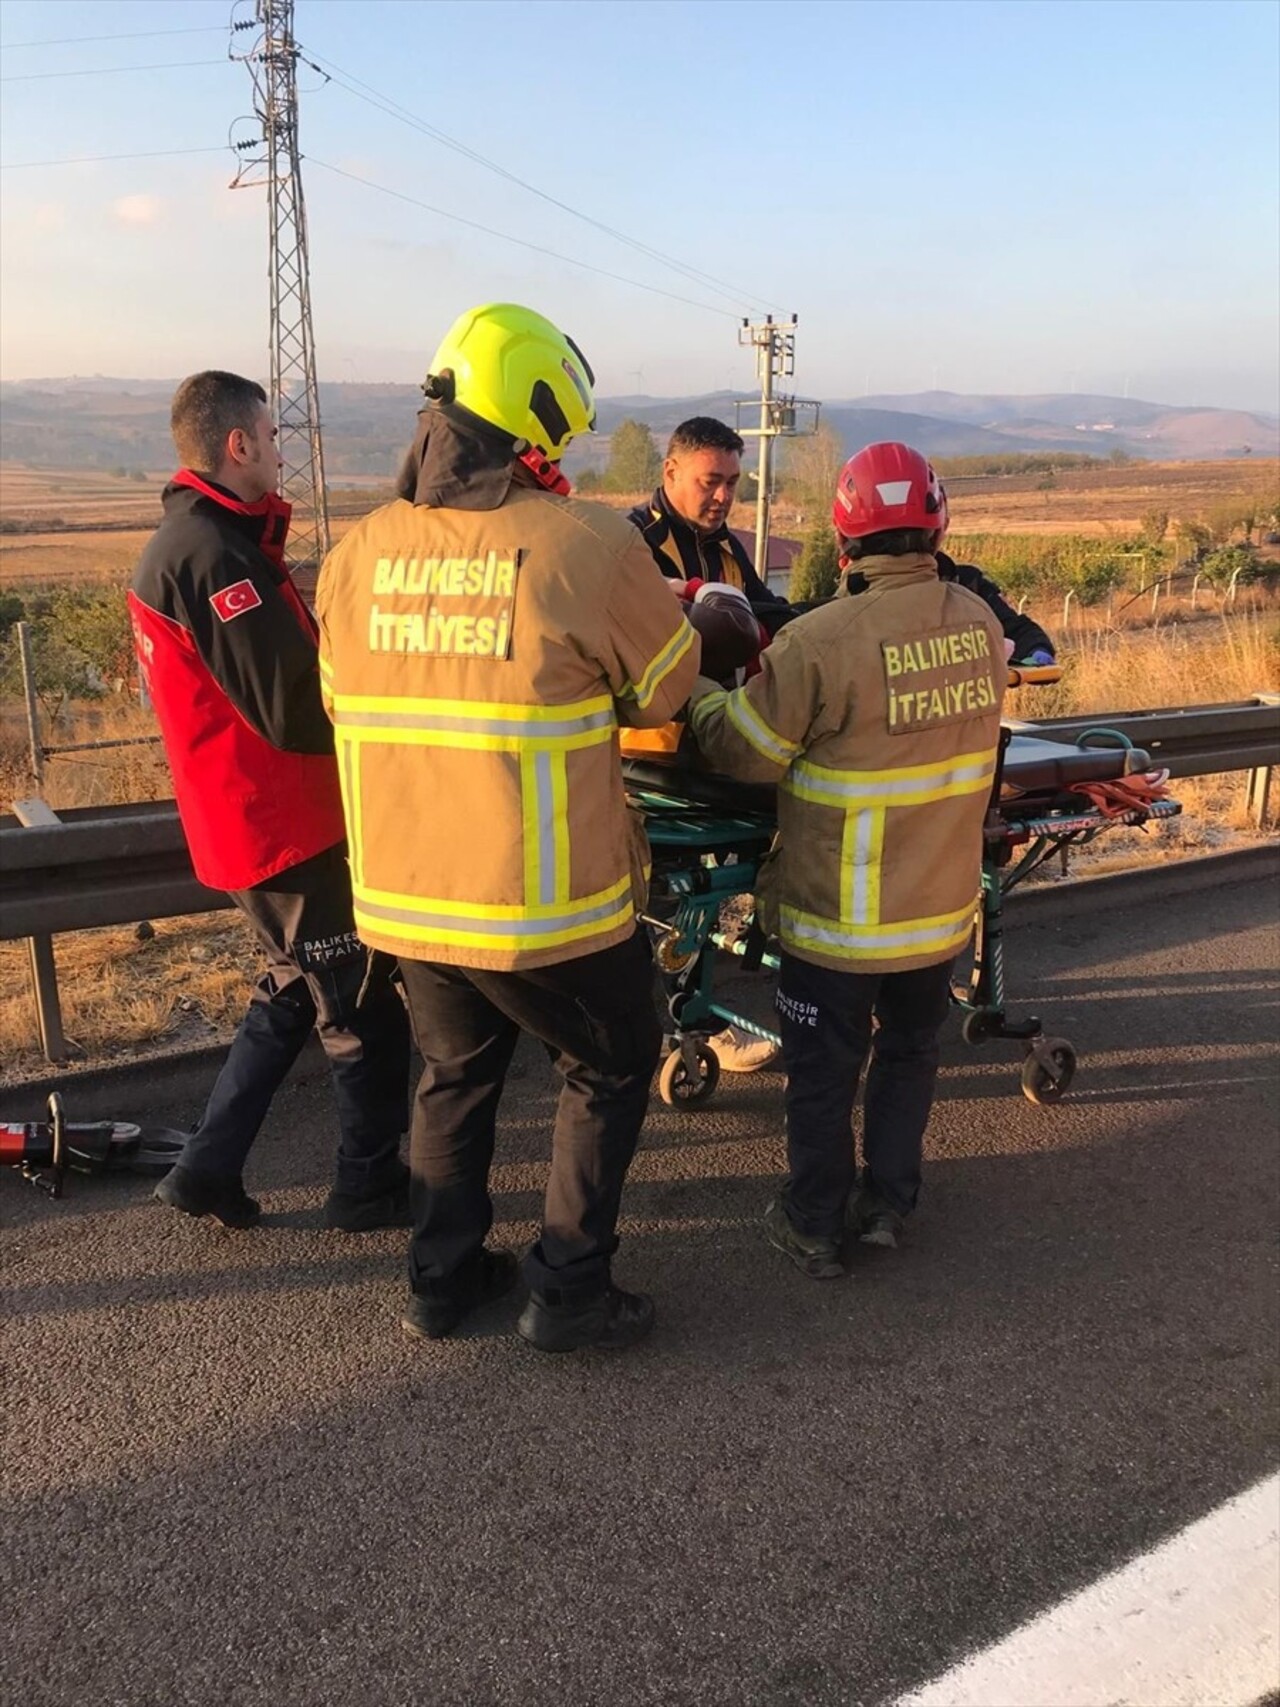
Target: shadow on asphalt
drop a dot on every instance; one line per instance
(241, 1481)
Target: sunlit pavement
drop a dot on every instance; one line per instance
(231, 1478)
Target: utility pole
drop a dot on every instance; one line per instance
(775, 345)
(295, 398)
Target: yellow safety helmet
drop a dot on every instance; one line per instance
(514, 369)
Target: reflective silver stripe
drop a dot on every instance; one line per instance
(620, 906)
(546, 829)
(803, 777)
(532, 727)
(931, 936)
(753, 729)
(660, 667)
(863, 826)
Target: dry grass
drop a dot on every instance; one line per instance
(122, 997)
(188, 983)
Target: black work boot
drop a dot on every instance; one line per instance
(346, 1212)
(818, 1258)
(871, 1220)
(434, 1318)
(607, 1321)
(225, 1200)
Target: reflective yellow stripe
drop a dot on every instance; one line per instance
(349, 783)
(755, 731)
(474, 709)
(505, 913)
(464, 741)
(861, 853)
(326, 668)
(913, 785)
(478, 726)
(660, 668)
(944, 933)
(507, 928)
(367, 922)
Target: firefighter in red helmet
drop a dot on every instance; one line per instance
(879, 718)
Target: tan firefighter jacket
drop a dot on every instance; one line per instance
(881, 715)
(477, 665)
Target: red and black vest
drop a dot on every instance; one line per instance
(229, 657)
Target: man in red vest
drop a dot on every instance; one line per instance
(229, 657)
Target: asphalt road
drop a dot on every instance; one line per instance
(231, 1479)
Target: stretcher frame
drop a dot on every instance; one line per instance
(707, 851)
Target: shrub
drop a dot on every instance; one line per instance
(1219, 566)
(816, 571)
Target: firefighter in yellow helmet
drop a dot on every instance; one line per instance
(879, 717)
(482, 639)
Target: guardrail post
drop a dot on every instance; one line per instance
(40, 961)
(1258, 797)
(1258, 784)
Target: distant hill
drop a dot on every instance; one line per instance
(1158, 431)
(110, 423)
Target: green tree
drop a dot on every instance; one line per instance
(634, 463)
(12, 610)
(816, 571)
(94, 626)
(588, 480)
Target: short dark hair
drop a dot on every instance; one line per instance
(893, 542)
(703, 432)
(208, 406)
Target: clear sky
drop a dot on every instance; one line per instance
(983, 195)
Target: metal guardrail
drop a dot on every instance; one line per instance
(1193, 740)
(93, 866)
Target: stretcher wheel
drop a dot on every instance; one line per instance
(976, 1027)
(669, 957)
(1044, 1083)
(677, 1085)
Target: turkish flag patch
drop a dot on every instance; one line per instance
(235, 600)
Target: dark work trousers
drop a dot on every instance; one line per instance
(318, 974)
(596, 1017)
(826, 1024)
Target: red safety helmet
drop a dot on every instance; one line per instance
(888, 486)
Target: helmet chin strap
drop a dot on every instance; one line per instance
(549, 475)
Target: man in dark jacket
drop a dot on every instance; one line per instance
(685, 522)
(229, 656)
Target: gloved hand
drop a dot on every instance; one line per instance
(1039, 658)
(730, 634)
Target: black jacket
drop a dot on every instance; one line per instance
(1027, 636)
(684, 554)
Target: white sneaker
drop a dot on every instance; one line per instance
(739, 1052)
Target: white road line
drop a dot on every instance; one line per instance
(1195, 1623)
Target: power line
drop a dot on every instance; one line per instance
(124, 35)
(384, 103)
(108, 70)
(506, 237)
(93, 159)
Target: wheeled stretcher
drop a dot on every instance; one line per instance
(708, 835)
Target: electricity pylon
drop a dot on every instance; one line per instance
(295, 398)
